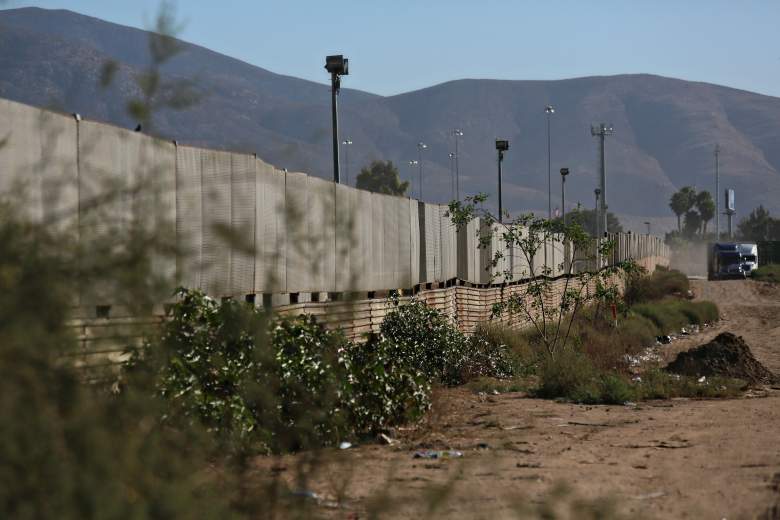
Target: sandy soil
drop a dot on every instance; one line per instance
(662, 459)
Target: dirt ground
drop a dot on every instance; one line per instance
(662, 459)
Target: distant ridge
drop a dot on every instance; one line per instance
(665, 128)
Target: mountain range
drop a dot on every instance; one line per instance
(665, 129)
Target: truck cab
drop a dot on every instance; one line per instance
(731, 260)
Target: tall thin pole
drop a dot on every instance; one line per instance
(563, 199)
(549, 110)
(602, 131)
(419, 164)
(717, 192)
(453, 158)
(457, 132)
(334, 92)
(500, 200)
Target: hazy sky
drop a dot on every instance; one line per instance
(400, 45)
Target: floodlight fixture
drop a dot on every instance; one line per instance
(337, 66)
(602, 130)
(564, 173)
(502, 145)
(549, 109)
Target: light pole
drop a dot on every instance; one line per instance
(717, 192)
(502, 145)
(337, 66)
(596, 220)
(549, 110)
(564, 173)
(453, 156)
(420, 147)
(346, 142)
(457, 133)
(412, 164)
(602, 131)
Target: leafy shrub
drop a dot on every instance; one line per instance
(656, 286)
(382, 387)
(519, 351)
(672, 315)
(767, 273)
(429, 341)
(569, 374)
(657, 384)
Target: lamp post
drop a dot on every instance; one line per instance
(338, 66)
(453, 156)
(717, 192)
(412, 164)
(602, 131)
(346, 142)
(502, 145)
(549, 110)
(564, 173)
(420, 147)
(457, 133)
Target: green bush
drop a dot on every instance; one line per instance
(429, 341)
(382, 387)
(514, 344)
(767, 273)
(671, 315)
(656, 286)
(657, 384)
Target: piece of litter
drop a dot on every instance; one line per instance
(345, 445)
(702, 379)
(386, 439)
(437, 454)
(649, 496)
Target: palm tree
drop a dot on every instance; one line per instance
(682, 202)
(706, 207)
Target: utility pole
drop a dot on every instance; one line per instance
(549, 110)
(457, 133)
(337, 66)
(502, 145)
(420, 147)
(717, 192)
(602, 131)
(564, 173)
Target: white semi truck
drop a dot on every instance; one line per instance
(731, 260)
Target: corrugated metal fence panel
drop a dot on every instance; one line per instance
(104, 199)
(403, 268)
(377, 263)
(321, 214)
(414, 234)
(20, 158)
(431, 230)
(153, 184)
(243, 203)
(390, 256)
(449, 245)
(299, 275)
(189, 216)
(466, 237)
(270, 230)
(216, 251)
(361, 257)
(59, 170)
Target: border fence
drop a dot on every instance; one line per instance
(304, 242)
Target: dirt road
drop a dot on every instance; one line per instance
(670, 459)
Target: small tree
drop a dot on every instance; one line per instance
(759, 225)
(528, 234)
(586, 218)
(382, 177)
(706, 207)
(682, 202)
